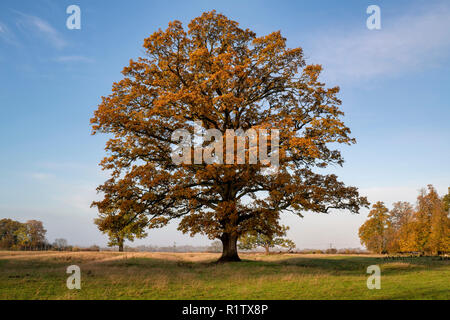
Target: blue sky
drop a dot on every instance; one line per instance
(394, 86)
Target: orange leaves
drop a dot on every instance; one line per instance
(425, 229)
(223, 77)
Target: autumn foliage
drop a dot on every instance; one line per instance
(424, 229)
(121, 226)
(17, 235)
(226, 78)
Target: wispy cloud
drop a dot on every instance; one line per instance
(80, 197)
(67, 59)
(41, 176)
(410, 42)
(63, 165)
(6, 34)
(41, 27)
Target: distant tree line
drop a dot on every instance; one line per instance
(17, 235)
(423, 229)
(213, 247)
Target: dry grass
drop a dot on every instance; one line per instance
(157, 275)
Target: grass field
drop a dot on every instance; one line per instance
(113, 275)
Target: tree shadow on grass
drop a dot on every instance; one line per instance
(306, 265)
(351, 264)
(339, 264)
(419, 294)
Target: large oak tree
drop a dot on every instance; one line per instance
(226, 78)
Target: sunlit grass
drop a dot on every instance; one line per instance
(113, 275)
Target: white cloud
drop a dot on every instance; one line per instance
(41, 27)
(407, 43)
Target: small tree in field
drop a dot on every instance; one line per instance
(60, 244)
(216, 246)
(252, 240)
(120, 227)
(227, 79)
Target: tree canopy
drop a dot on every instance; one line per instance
(373, 232)
(226, 78)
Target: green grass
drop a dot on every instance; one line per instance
(108, 275)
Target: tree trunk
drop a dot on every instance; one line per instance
(120, 242)
(229, 250)
(267, 249)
